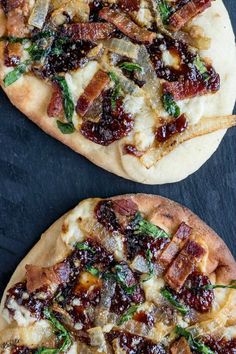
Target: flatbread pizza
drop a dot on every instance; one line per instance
(133, 274)
(139, 87)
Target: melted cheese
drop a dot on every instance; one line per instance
(71, 230)
(20, 314)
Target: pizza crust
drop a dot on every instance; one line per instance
(181, 162)
(168, 214)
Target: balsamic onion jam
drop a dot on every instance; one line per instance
(91, 288)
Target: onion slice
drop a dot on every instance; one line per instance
(205, 126)
(39, 13)
(122, 47)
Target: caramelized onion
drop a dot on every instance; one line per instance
(122, 47)
(39, 13)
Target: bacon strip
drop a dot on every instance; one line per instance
(184, 264)
(38, 277)
(129, 5)
(186, 88)
(125, 207)
(187, 12)
(180, 347)
(92, 91)
(127, 26)
(89, 31)
(55, 107)
(178, 241)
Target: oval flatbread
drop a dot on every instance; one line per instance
(129, 274)
(139, 87)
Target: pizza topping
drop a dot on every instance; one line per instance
(170, 105)
(15, 74)
(39, 13)
(127, 26)
(184, 264)
(194, 344)
(171, 298)
(106, 215)
(178, 241)
(55, 107)
(187, 88)
(125, 207)
(167, 130)
(180, 346)
(165, 10)
(130, 343)
(144, 227)
(92, 91)
(195, 294)
(128, 314)
(187, 12)
(90, 31)
(129, 5)
(220, 346)
(113, 124)
(38, 277)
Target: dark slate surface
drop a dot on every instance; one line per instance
(40, 179)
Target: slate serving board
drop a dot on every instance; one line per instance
(41, 179)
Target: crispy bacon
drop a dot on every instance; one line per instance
(127, 26)
(129, 5)
(180, 347)
(187, 12)
(125, 207)
(178, 241)
(187, 88)
(89, 31)
(55, 107)
(184, 264)
(92, 91)
(38, 277)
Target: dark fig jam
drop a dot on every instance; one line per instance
(195, 297)
(144, 317)
(133, 344)
(71, 57)
(221, 346)
(131, 150)
(106, 215)
(113, 125)
(167, 130)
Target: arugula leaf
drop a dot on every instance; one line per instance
(201, 67)
(165, 10)
(130, 66)
(36, 52)
(68, 103)
(193, 343)
(12, 39)
(216, 286)
(142, 226)
(94, 271)
(84, 247)
(170, 105)
(61, 333)
(176, 304)
(128, 314)
(120, 276)
(65, 128)
(116, 93)
(16, 73)
(149, 256)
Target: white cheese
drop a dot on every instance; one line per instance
(20, 314)
(73, 349)
(144, 121)
(170, 59)
(79, 79)
(71, 231)
(193, 108)
(152, 289)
